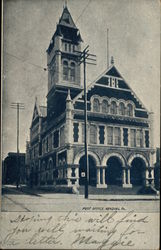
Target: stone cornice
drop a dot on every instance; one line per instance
(113, 117)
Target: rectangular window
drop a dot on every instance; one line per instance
(117, 134)
(65, 46)
(93, 134)
(56, 139)
(133, 137)
(125, 136)
(147, 139)
(69, 47)
(139, 138)
(101, 134)
(75, 132)
(110, 135)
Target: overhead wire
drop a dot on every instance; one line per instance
(36, 65)
(83, 11)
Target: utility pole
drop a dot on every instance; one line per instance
(18, 106)
(84, 58)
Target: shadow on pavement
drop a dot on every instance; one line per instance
(19, 191)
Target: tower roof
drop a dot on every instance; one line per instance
(67, 29)
(66, 19)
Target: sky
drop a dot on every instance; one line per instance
(28, 25)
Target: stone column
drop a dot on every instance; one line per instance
(143, 135)
(68, 176)
(69, 124)
(129, 141)
(146, 182)
(98, 176)
(99, 184)
(126, 178)
(122, 143)
(103, 176)
(149, 176)
(123, 177)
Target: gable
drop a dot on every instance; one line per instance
(112, 78)
(112, 85)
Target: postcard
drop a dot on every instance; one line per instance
(80, 137)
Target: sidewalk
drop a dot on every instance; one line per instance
(124, 197)
(102, 197)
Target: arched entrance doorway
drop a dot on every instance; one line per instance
(113, 172)
(137, 171)
(92, 171)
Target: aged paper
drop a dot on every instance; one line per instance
(51, 218)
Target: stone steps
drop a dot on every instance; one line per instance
(112, 190)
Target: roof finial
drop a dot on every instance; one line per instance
(65, 4)
(68, 97)
(35, 98)
(112, 60)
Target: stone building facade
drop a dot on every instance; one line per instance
(120, 128)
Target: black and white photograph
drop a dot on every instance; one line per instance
(80, 124)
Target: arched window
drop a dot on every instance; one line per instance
(113, 108)
(65, 70)
(96, 105)
(121, 109)
(105, 108)
(93, 134)
(129, 110)
(72, 72)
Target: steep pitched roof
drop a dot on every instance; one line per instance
(39, 111)
(103, 81)
(67, 29)
(66, 19)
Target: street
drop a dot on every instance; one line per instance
(14, 200)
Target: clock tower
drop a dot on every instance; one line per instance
(63, 61)
(62, 58)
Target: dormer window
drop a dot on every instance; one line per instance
(129, 110)
(65, 70)
(96, 105)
